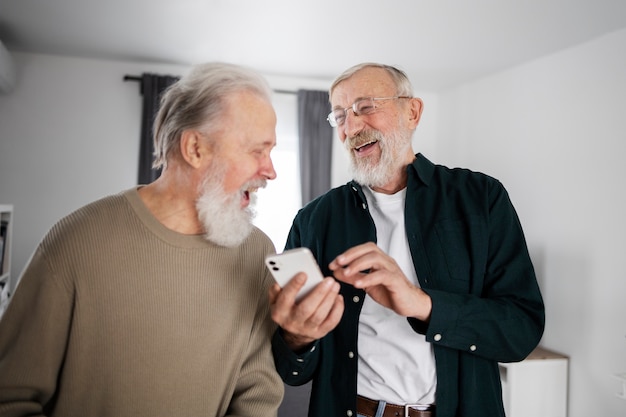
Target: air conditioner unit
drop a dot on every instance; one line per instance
(7, 70)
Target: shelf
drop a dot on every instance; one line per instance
(6, 227)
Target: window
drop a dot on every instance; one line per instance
(279, 202)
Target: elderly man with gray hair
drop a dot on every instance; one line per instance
(151, 302)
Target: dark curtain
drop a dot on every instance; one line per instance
(296, 401)
(152, 85)
(315, 139)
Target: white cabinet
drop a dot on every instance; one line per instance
(536, 386)
(6, 227)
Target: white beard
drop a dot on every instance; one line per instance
(373, 171)
(225, 222)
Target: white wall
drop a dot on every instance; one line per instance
(553, 131)
(68, 135)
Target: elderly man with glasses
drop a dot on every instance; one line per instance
(429, 282)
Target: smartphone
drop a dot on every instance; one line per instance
(286, 265)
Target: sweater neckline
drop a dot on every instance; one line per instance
(157, 228)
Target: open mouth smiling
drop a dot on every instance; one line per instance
(365, 146)
(246, 195)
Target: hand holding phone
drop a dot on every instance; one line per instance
(284, 266)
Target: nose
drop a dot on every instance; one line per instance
(267, 168)
(352, 125)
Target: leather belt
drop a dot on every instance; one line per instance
(368, 408)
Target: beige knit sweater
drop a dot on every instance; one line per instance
(116, 315)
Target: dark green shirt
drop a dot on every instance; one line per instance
(470, 256)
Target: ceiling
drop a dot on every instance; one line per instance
(440, 43)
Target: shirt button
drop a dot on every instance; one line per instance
(300, 360)
(349, 413)
(351, 355)
(364, 206)
(356, 298)
(437, 337)
(473, 348)
(294, 373)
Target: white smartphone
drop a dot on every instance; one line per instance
(286, 265)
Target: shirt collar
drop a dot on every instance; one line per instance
(423, 168)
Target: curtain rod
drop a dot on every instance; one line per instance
(138, 78)
(285, 92)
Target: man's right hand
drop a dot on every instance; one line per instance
(312, 317)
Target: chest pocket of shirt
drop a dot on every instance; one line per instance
(462, 243)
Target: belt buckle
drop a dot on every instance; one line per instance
(419, 407)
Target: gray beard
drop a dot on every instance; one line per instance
(374, 171)
(225, 222)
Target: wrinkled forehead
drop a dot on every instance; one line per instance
(368, 82)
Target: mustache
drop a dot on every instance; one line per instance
(362, 138)
(254, 184)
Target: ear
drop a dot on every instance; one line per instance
(192, 148)
(415, 111)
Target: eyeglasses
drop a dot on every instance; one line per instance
(360, 107)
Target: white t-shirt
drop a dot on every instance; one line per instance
(396, 364)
